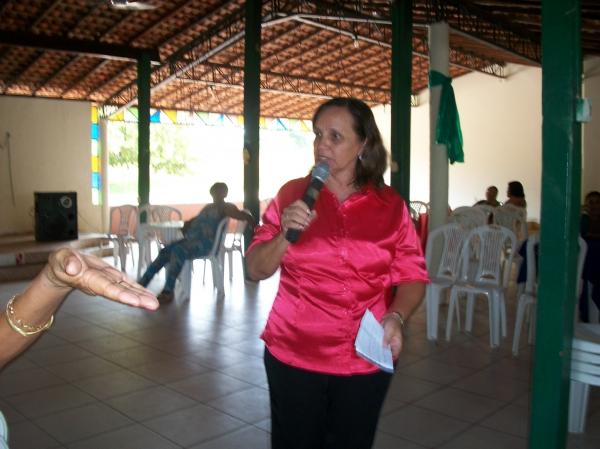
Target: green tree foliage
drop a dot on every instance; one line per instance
(168, 149)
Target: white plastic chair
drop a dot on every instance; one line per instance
(468, 217)
(165, 213)
(216, 257)
(528, 298)
(161, 214)
(483, 275)
(585, 372)
(416, 208)
(236, 243)
(124, 237)
(447, 269)
(513, 218)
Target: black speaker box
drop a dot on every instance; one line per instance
(55, 216)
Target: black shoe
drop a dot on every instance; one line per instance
(165, 297)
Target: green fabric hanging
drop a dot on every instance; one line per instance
(448, 123)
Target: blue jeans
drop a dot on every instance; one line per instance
(175, 254)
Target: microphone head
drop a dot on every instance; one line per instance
(321, 171)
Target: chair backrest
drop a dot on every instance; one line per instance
(125, 219)
(165, 213)
(483, 255)
(454, 236)
(418, 207)
(585, 354)
(513, 218)
(218, 243)
(468, 217)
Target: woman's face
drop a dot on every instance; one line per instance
(336, 142)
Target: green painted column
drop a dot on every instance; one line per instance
(401, 91)
(252, 106)
(561, 185)
(143, 85)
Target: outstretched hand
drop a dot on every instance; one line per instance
(69, 269)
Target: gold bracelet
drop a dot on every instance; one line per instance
(396, 315)
(19, 326)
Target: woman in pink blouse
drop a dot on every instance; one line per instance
(357, 250)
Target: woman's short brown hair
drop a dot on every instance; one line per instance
(372, 163)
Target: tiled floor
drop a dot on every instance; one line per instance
(191, 376)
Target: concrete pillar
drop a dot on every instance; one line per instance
(103, 125)
(439, 56)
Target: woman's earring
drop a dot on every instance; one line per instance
(361, 157)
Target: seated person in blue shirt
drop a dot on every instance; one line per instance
(199, 235)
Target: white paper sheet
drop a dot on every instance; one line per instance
(369, 343)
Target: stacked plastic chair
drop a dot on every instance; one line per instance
(468, 217)
(482, 274)
(125, 235)
(585, 372)
(443, 274)
(528, 298)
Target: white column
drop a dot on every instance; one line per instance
(104, 172)
(439, 55)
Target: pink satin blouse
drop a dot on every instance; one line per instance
(346, 261)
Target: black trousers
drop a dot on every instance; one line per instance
(320, 411)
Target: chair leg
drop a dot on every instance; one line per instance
(531, 335)
(243, 258)
(502, 306)
(144, 258)
(3, 429)
(492, 318)
(218, 274)
(457, 313)
(470, 312)
(185, 281)
(495, 319)
(432, 305)
(115, 252)
(518, 324)
(451, 307)
(123, 255)
(578, 403)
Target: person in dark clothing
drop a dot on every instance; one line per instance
(590, 232)
(198, 237)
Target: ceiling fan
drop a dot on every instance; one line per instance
(131, 5)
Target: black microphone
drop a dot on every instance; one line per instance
(318, 176)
